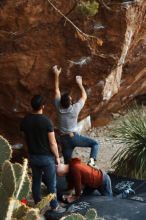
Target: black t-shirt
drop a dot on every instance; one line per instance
(36, 128)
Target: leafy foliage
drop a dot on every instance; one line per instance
(15, 185)
(5, 151)
(90, 215)
(88, 8)
(45, 201)
(131, 132)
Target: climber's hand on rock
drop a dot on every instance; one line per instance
(57, 70)
(79, 80)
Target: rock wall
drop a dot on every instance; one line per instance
(34, 37)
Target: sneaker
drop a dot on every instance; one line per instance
(92, 164)
(59, 209)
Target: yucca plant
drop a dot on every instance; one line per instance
(131, 132)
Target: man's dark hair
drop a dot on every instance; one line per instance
(65, 100)
(37, 102)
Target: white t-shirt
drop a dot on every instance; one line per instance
(68, 117)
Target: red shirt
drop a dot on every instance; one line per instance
(80, 174)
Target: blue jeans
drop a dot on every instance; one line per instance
(43, 164)
(105, 189)
(68, 144)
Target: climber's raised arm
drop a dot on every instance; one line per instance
(57, 73)
(83, 92)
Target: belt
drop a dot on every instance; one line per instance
(70, 134)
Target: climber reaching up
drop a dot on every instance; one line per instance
(68, 117)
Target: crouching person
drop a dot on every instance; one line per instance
(80, 175)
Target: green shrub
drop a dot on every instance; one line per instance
(88, 8)
(131, 132)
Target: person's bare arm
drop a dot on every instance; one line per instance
(69, 196)
(53, 146)
(57, 73)
(25, 147)
(83, 92)
(72, 198)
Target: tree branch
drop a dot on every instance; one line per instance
(67, 19)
